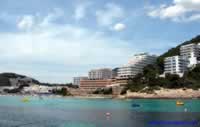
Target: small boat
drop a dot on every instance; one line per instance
(179, 103)
(135, 105)
(25, 99)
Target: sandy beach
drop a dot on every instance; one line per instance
(165, 93)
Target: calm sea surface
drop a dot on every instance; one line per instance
(70, 112)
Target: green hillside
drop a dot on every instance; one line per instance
(174, 51)
(5, 79)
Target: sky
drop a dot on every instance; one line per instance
(55, 40)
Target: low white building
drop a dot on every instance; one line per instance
(175, 65)
(135, 65)
(37, 89)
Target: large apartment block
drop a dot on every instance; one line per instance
(191, 52)
(175, 65)
(135, 65)
(99, 74)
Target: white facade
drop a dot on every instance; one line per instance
(135, 65)
(191, 52)
(76, 80)
(37, 89)
(99, 74)
(175, 65)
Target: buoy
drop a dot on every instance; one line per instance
(185, 109)
(108, 114)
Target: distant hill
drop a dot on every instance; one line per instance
(12, 79)
(174, 51)
(4, 81)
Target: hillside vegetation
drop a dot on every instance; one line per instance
(4, 81)
(149, 80)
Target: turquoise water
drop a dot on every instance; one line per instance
(72, 112)
(146, 105)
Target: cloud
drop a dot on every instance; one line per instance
(60, 44)
(51, 17)
(179, 10)
(80, 10)
(194, 17)
(26, 22)
(109, 14)
(119, 27)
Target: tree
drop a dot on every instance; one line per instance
(174, 81)
(137, 83)
(150, 73)
(105, 91)
(194, 73)
(64, 92)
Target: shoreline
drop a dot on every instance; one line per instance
(161, 98)
(99, 97)
(157, 94)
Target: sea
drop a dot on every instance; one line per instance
(75, 112)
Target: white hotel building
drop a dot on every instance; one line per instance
(189, 57)
(191, 52)
(135, 65)
(175, 65)
(100, 74)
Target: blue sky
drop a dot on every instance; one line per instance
(55, 40)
